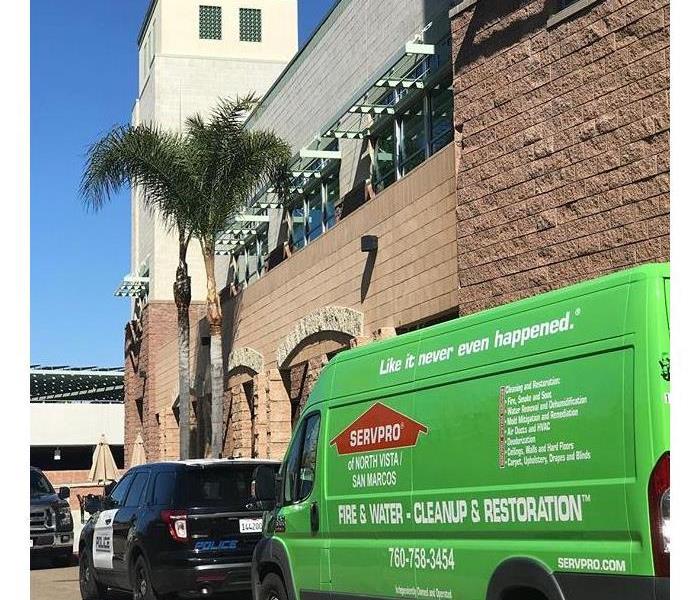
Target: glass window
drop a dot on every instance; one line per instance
(38, 484)
(307, 466)
(209, 22)
(119, 492)
(250, 24)
(315, 218)
(441, 111)
(136, 489)
(298, 233)
(163, 488)
(300, 471)
(332, 193)
(384, 170)
(218, 486)
(413, 142)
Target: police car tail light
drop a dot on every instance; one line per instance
(176, 520)
(660, 514)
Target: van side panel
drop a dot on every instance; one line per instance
(529, 462)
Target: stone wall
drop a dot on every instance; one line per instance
(562, 143)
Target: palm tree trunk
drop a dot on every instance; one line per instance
(182, 290)
(215, 353)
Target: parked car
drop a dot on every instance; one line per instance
(519, 453)
(185, 527)
(50, 519)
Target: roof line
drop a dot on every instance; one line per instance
(293, 62)
(149, 12)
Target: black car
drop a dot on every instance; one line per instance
(174, 528)
(50, 519)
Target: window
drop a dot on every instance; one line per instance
(300, 471)
(315, 218)
(209, 22)
(423, 128)
(119, 492)
(314, 213)
(218, 487)
(384, 172)
(163, 488)
(332, 186)
(133, 498)
(250, 25)
(413, 151)
(441, 111)
(38, 484)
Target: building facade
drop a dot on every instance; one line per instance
(449, 157)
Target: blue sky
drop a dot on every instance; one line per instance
(83, 81)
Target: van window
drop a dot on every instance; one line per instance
(301, 467)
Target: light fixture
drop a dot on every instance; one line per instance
(57, 454)
(369, 243)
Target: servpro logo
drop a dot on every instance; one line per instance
(378, 428)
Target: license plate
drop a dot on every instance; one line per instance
(31, 543)
(250, 525)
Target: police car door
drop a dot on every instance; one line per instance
(103, 533)
(124, 523)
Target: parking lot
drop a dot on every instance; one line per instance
(58, 583)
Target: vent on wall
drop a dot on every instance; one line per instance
(250, 25)
(209, 22)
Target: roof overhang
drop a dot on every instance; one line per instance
(76, 384)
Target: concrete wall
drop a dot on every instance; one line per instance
(182, 75)
(356, 39)
(562, 136)
(75, 424)
(414, 277)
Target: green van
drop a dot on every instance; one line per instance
(517, 454)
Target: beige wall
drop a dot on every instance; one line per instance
(414, 277)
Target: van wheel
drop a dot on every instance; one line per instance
(90, 587)
(273, 588)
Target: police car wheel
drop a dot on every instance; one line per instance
(90, 587)
(273, 588)
(141, 581)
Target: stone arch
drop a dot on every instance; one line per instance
(338, 319)
(246, 357)
(307, 348)
(243, 391)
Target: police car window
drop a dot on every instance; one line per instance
(163, 488)
(219, 486)
(119, 492)
(136, 489)
(301, 471)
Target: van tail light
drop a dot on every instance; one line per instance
(176, 520)
(660, 514)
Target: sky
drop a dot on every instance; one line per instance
(83, 81)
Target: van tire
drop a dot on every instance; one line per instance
(272, 588)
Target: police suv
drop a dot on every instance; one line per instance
(174, 528)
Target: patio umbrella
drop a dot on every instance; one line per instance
(103, 468)
(138, 454)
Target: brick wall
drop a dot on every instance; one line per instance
(153, 379)
(562, 144)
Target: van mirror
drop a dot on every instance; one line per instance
(263, 485)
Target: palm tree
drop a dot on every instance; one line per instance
(155, 161)
(230, 163)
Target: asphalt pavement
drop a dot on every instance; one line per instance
(48, 582)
